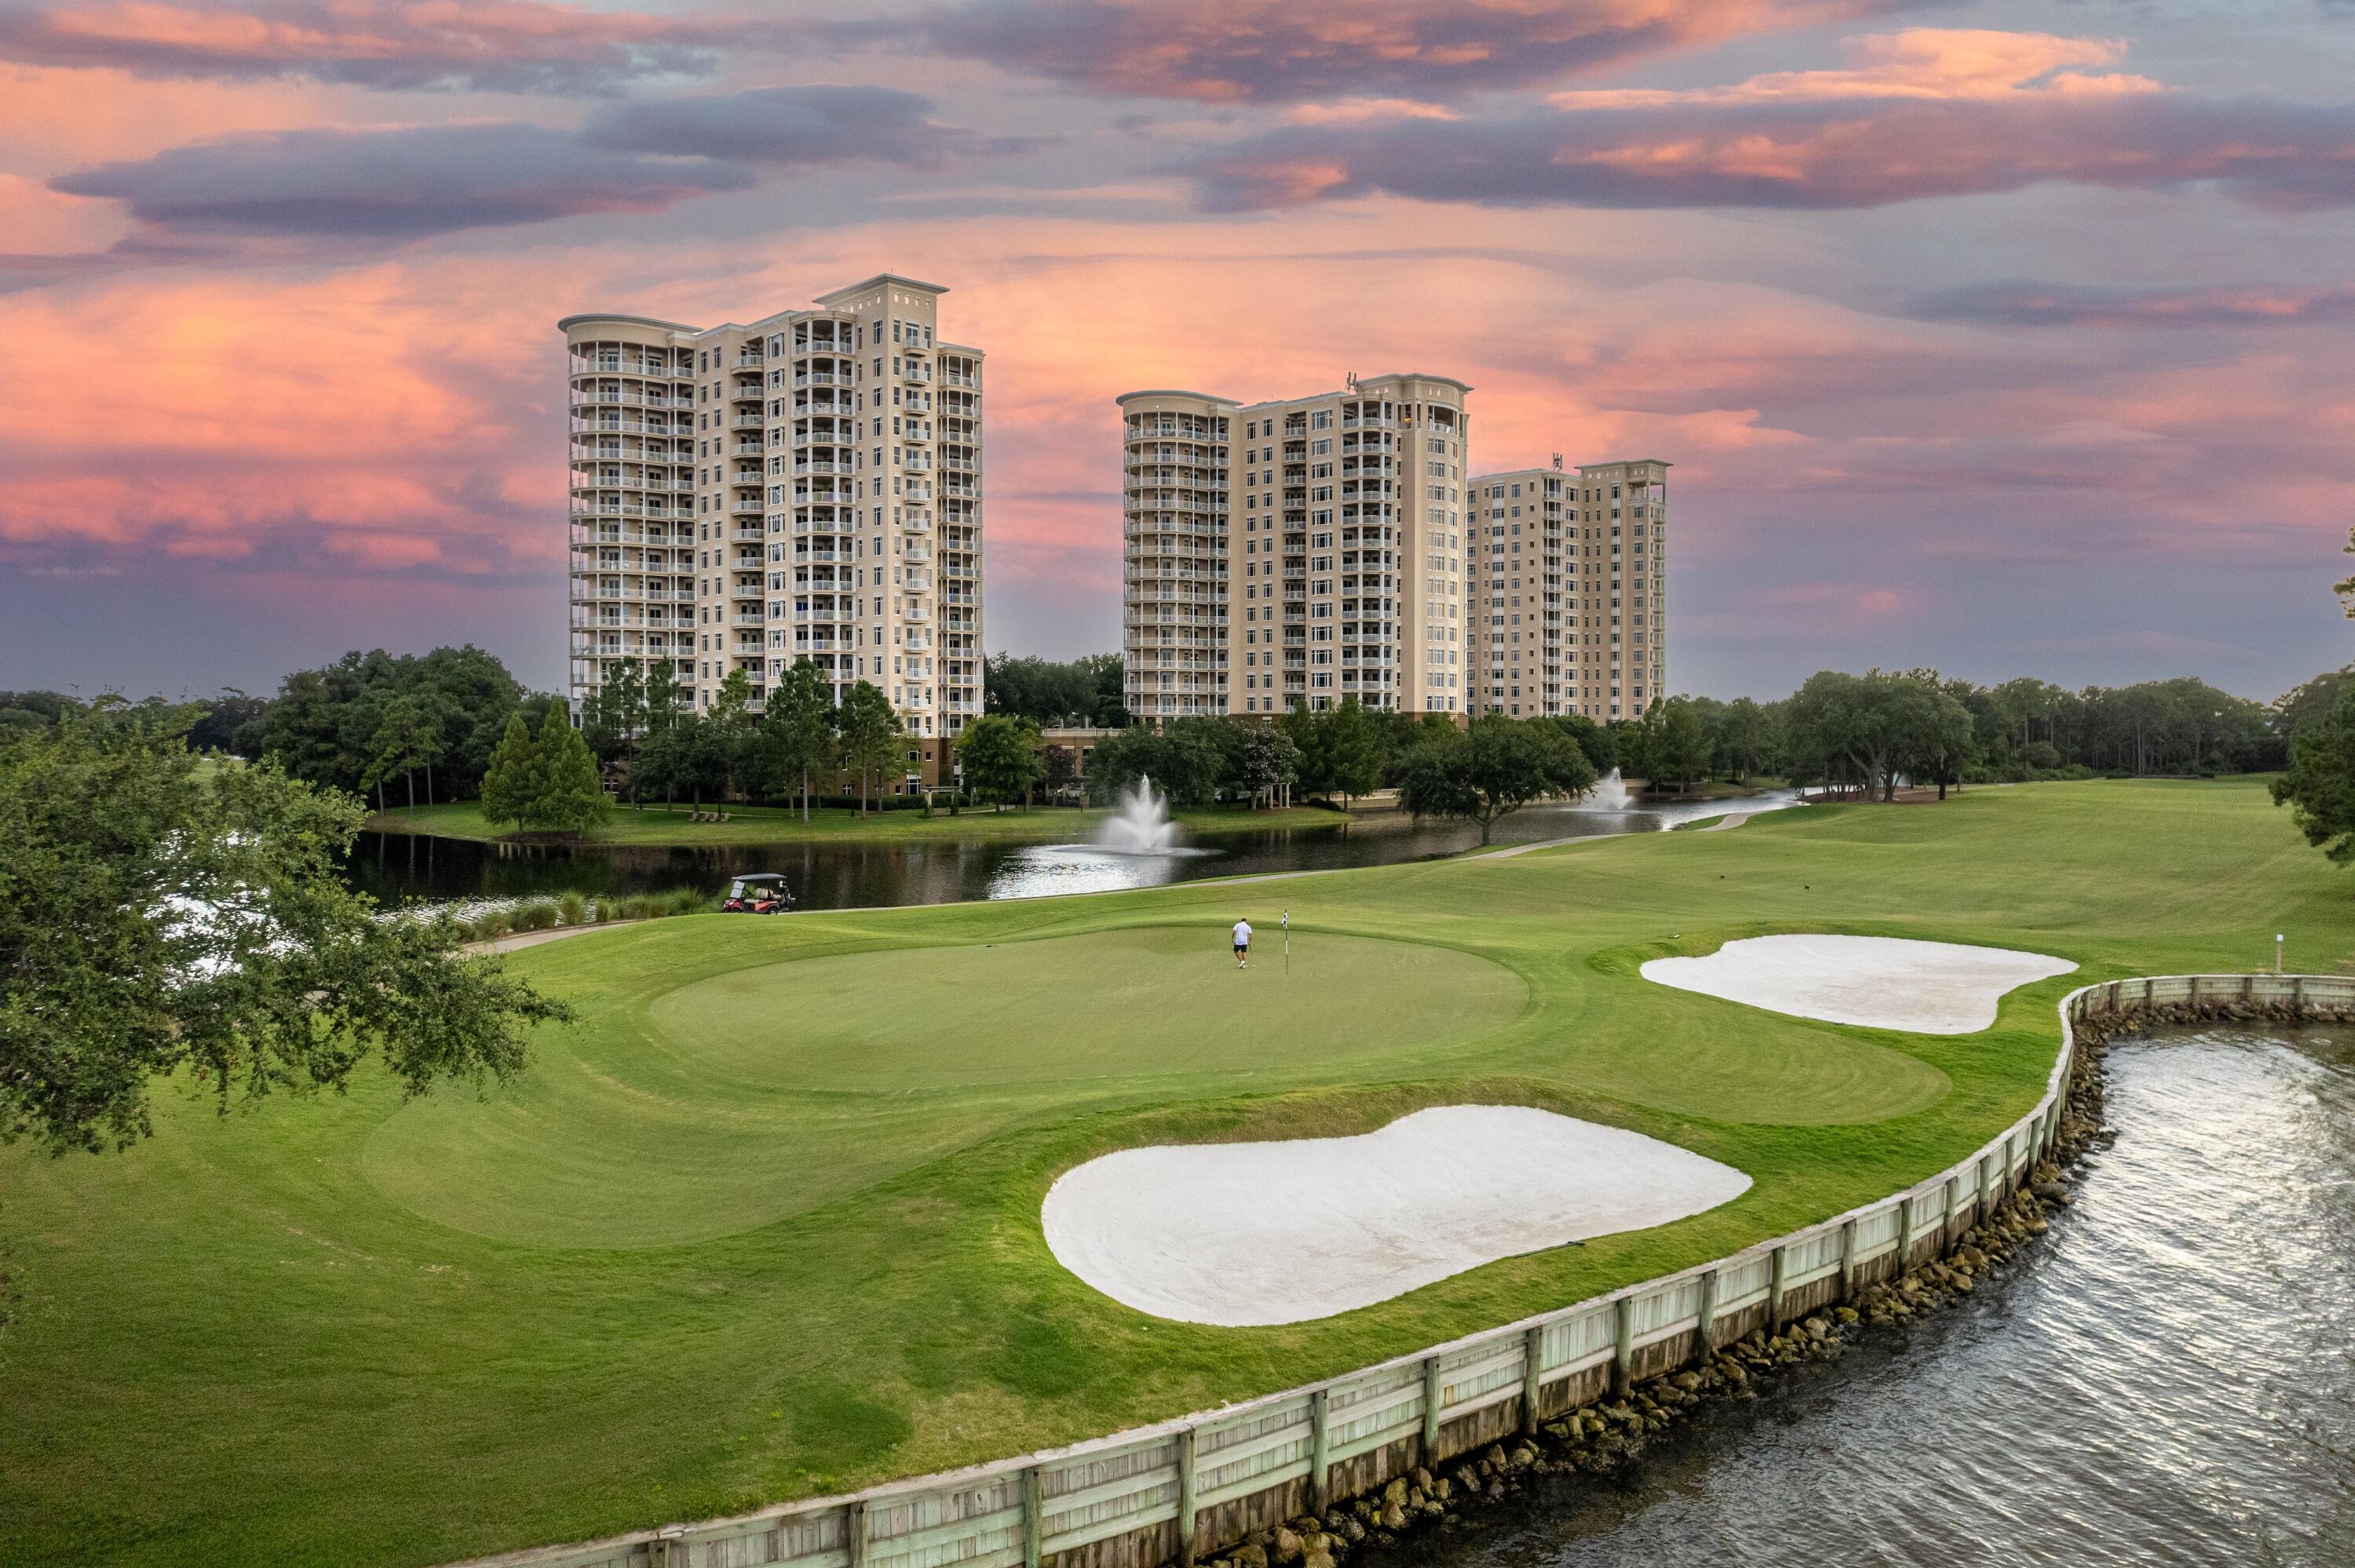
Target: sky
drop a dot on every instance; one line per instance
(2008, 339)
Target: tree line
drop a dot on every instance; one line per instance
(642, 723)
(1864, 734)
(1084, 693)
(426, 726)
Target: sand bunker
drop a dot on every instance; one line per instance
(1883, 982)
(1243, 1235)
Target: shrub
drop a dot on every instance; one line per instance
(573, 909)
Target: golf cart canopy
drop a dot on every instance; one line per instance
(754, 883)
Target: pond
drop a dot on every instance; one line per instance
(400, 868)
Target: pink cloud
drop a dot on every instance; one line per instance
(1933, 63)
(493, 45)
(1282, 50)
(1922, 114)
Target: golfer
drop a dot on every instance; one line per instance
(1242, 944)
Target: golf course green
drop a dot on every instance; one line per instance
(764, 1222)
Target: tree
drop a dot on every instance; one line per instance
(406, 739)
(1678, 744)
(1491, 769)
(512, 782)
(1602, 749)
(1631, 743)
(2319, 785)
(323, 723)
(1268, 761)
(730, 728)
(615, 717)
(797, 740)
(1939, 738)
(1343, 751)
(1063, 771)
(570, 791)
(871, 735)
(1083, 692)
(1002, 757)
(158, 922)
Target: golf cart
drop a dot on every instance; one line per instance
(763, 893)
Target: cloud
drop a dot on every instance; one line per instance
(1921, 117)
(1358, 111)
(501, 46)
(411, 181)
(810, 124)
(1285, 50)
(1936, 63)
(2021, 304)
(396, 182)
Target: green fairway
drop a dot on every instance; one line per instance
(764, 1223)
(840, 823)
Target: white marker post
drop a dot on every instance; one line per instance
(1287, 923)
(2278, 952)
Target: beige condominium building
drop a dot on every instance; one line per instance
(806, 485)
(1570, 590)
(1296, 552)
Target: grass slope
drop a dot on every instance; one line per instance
(778, 824)
(740, 1238)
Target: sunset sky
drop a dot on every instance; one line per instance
(2007, 338)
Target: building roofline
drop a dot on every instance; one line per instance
(1177, 392)
(1623, 463)
(1414, 376)
(568, 322)
(829, 298)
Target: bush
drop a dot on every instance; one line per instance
(573, 909)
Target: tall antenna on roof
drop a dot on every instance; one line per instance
(1349, 378)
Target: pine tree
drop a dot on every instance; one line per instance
(571, 794)
(508, 785)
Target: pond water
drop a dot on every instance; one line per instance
(400, 868)
(2169, 1379)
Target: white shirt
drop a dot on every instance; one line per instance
(1242, 933)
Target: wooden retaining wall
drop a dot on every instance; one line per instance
(1190, 1488)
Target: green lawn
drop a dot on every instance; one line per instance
(777, 824)
(765, 1223)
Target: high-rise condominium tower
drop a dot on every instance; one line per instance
(1570, 590)
(1296, 552)
(804, 486)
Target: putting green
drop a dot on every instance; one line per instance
(761, 1091)
(1146, 1002)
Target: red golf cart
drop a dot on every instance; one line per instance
(763, 893)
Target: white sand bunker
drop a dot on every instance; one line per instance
(1883, 982)
(1243, 1235)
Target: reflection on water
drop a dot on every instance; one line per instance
(398, 867)
(2171, 1380)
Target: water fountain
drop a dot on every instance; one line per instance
(1140, 825)
(1610, 793)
